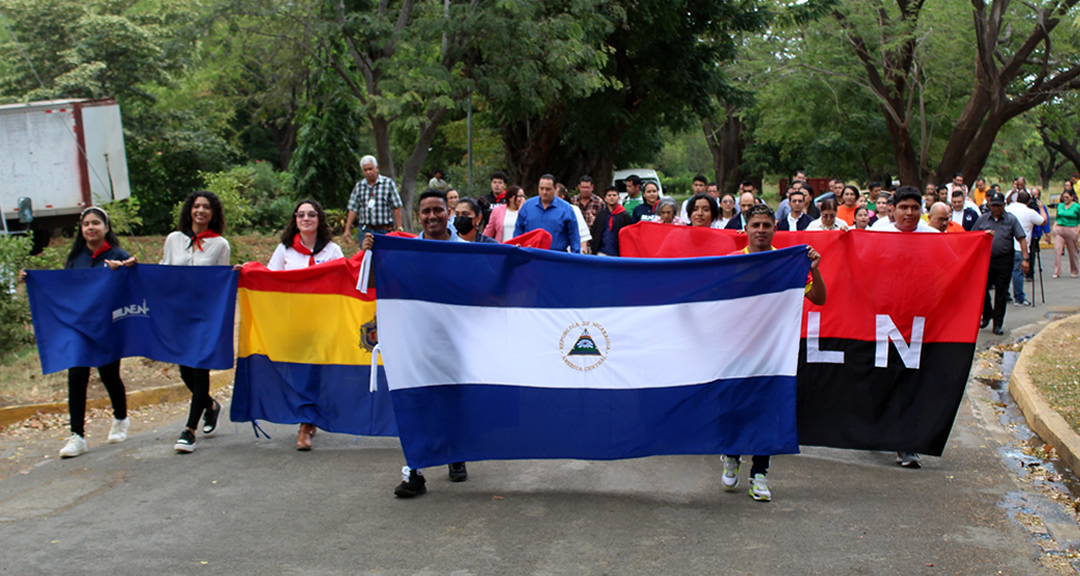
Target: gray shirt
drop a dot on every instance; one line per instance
(1005, 230)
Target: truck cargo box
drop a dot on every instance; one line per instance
(64, 155)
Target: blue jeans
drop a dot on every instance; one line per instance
(1018, 278)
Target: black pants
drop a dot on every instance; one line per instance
(997, 277)
(198, 381)
(1032, 251)
(79, 379)
(759, 465)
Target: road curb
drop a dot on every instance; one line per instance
(137, 399)
(1044, 420)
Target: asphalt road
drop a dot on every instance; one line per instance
(244, 506)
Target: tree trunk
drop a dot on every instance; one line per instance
(726, 144)
(284, 140)
(990, 106)
(532, 147)
(381, 127)
(907, 161)
(411, 171)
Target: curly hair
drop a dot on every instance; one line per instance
(217, 221)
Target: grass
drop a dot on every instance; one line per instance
(1055, 370)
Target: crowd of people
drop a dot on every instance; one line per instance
(588, 223)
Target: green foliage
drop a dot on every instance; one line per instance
(332, 138)
(253, 197)
(450, 153)
(123, 214)
(16, 331)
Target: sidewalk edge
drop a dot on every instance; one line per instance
(136, 399)
(1043, 420)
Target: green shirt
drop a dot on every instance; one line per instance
(1068, 217)
(632, 203)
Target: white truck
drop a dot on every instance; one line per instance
(56, 158)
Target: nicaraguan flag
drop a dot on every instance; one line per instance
(94, 316)
(496, 352)
(305, 343)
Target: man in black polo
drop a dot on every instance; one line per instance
(1005, 228)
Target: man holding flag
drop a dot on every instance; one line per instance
(434, 214)
(760, 230)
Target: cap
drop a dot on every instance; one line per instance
(997, 198)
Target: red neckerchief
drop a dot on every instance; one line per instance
(500, 197)
(105, 247)
(196, 239)
(299, 247)
(611, 219)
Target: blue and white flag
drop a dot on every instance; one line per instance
(496, 352)
(95, 316)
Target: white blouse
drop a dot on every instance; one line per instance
(289, 259)
(509, 221)
(215, 251)
(817, 225)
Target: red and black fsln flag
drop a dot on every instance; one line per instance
(883, 364)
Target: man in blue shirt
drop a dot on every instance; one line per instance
(552, 214)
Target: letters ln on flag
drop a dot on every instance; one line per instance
(496, 352)
(883, 364)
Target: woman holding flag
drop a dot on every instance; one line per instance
(95, 246)
(306, 241)
(198, 242)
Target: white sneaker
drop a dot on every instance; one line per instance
(731, 472)
(759, 489)
(908, 460)
(75, 446)
(119, 430)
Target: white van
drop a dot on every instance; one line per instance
(618, 179)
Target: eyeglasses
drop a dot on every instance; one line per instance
(307, 214)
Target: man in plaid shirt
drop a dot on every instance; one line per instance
(588, 202)
(375, 204)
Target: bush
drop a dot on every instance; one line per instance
(254, 197)
(16, 331)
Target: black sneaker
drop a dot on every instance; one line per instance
(412, 484)
(210, 418)
(458, 473)
(186, 442)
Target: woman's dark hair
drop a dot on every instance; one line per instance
(713, 208)
(217, 222)
(853, 189)
(472, 204)
(863, 208)
(827, 204)
(322, 233)
(720, 208)
(80, 243)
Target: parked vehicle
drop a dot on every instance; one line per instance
(56, 158)
(618, 179)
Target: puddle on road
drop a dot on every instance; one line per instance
(1049, 512)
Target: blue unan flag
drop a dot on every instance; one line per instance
(94, 316)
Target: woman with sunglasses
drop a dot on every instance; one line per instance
(305, 242)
